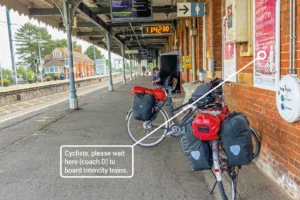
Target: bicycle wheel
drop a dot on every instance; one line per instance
(139, 129)
(228, 184)
(255, 142)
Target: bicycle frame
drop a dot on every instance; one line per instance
(172, 110)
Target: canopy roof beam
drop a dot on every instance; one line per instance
(96, 11)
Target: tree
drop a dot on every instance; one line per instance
(57, 43)
(74, 46)
(127, 66)
(27, 39)
(7, 74)
(90, 53)
(22, 72)
(31, 75)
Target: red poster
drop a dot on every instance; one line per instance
(265, 40)
(229, 59)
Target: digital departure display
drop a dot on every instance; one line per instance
(131, 10)
(156, 29)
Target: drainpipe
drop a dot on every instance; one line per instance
(292, 37)
(175, 41)
(193, 33)
(204, 42)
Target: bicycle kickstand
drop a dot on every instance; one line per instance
(213, 188)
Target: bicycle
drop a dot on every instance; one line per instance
(173, 129)
(160, 116)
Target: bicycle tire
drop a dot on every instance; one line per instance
(228, 191)
(142, 144)
(257, 142)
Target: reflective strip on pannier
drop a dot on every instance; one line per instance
(197, 152)
(236, 139)
(143, 106)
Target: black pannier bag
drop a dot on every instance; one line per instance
(236, 139)
(200, 91)
(143, 106)
(197, 152)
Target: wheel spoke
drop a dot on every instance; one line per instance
(137, 131)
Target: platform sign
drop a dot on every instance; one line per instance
(187, 62)
(101, 67)
(131, 51)
(131, 10)
(159, 29)
(190, 9)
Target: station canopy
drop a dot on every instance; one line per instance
(93, 19)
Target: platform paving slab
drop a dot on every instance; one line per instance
(29, 155)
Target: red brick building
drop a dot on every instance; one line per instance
(280, 153)
(57, 62)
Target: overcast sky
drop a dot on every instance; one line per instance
(17, 21)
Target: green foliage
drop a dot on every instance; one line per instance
(6, 82)
(27, 39)
(30, 75)
(127, 66)
(48, 78)
(55, 44)
(60, 43)
(90, 53)
(7, 74)
(22, 72)
(74, 46)
(56, 76)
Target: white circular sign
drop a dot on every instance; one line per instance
(288, 98)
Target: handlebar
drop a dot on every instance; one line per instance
(211, 105)
(214, 80)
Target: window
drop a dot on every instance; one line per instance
(56, 54)
(66, 61)
(51, 70)
(47, 70)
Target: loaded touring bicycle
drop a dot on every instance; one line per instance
(212, 137)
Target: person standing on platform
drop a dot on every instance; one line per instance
(143, 70)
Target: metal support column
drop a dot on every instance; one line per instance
(123, 55)
(36, 68)
(1, 76)
(95, 58)
(68, 16)
(156, 62)
(135, 68)
(40, 55)
(12, 55)
(130, 58)
(110, 84)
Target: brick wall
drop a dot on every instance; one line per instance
(280, 153)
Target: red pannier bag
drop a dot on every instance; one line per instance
(159, 94)
(206, 126)
(139, 89)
